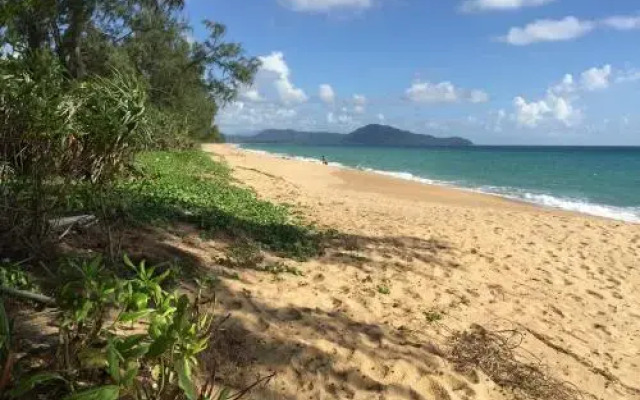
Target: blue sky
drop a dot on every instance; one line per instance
(495, 71)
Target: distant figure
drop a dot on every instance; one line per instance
(324, 161)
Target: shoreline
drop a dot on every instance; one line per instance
(458, 190)
(409, 254)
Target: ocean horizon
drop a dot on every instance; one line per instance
(602, 181)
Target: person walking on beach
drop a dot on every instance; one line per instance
(324, 161)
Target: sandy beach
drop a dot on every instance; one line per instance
(417, 264)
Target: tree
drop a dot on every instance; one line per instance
(186, 82)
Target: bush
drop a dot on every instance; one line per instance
(120, 338)
(56, 133)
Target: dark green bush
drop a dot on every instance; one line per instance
(56, 133)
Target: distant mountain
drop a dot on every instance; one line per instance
(370, 135)
(383, 135)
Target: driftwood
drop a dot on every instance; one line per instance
(22, 294)
(65, 224)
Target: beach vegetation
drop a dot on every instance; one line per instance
(384, 289)
(433, 316)
(118, 338)
(101, 104)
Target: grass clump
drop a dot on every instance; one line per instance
(384, 289)
(189, 186)
(433, 316)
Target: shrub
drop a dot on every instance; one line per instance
(56, 133)
(122, 338)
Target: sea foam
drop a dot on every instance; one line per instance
(627, 214)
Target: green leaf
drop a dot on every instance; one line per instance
(26, 385)
(109, 392)
(134, 315)
(132, 346)
(140, 300)
(130, 374)
(113, 359)
(127, 262)
(184, 379)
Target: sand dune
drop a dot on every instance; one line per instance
(375, 316)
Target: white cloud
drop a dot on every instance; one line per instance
(566, 87)
(623, 23)
(427, 92)
(251, 94)
(568, 28)
(500, 5)
(381, 117)
(596, 78)
(326, 94)
(559, 103)
(530, 113)
(478, 96)
(241, 115)
(359, 100)
(547, 30)
(326, 5)
(274, 73)
(443, 92)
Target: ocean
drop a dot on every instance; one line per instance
(601, 181)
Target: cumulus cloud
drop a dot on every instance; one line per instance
(326, 94)
(500, 5)
(251, 94)
(596, 78)
(443, 92)
(547, 30)
(273, 81)
(559, 103)
(561, 109)
(381, 117)
(326, 5)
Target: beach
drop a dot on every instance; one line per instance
(418, 264)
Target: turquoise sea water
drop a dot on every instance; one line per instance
(595, 180)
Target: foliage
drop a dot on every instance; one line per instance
(433, 316)
(56, 132)
(13, 276)
(384, 289)
(144, 340)
(186, 80)
(189, 186)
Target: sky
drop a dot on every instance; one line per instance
(556, 72)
